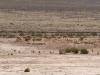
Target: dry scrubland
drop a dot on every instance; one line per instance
(42, 56)
(44, 59)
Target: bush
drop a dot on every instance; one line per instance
(38, 34)
(11, 53)
(98, 53)
(27, 70)
(11, 36)
(68, 50)
(39, 52)
(62, 51)
(84, 51)
(21, 34)
(74, 50)
(32, 51)
(19, 52)
(38, 39)
(14, 50)
(81, 38)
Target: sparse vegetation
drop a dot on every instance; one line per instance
(11, 36)
(84, 51)
(21, 34)
(32, 51)
(73, 50)
(39, 51)
(81, 39)
(18, 51)
(97, 53)
(32, 31)
(94, 34)
(14, 50)
(51, 52)
(92, 50)
(62, 51)
(38, 39)
(11, 53)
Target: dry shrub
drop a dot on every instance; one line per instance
(27, 70)
(84, 51)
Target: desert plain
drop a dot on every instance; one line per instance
(20, 18)
(44, 59)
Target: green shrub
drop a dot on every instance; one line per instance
(84, 51)
(27, 70)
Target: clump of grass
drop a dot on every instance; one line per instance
(38, 39)
(19, 52)
(73, 50)
(32, 51)
(97, 53)
(92, 50)
(51, 52)
(62, 51)
(14, 50)
(27, 70)
(69, 50)
(11, 53)
(84, 51)
(39, 52)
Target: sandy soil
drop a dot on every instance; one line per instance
(46, 60)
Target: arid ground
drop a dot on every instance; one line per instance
(42, 56)
(45, 59)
